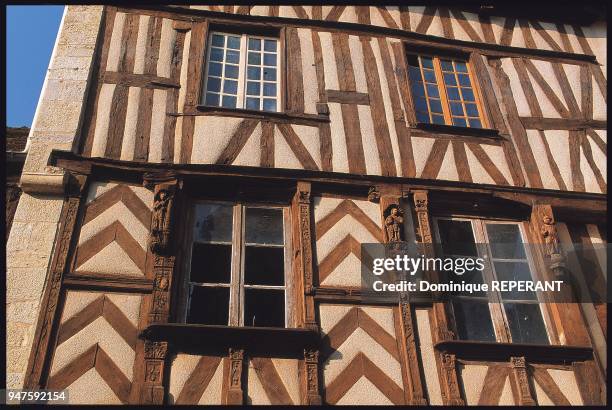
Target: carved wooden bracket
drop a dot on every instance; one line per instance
(310, 375)
(235, 393)
(519, 378)
(451, 394)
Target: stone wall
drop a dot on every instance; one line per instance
(56, 125)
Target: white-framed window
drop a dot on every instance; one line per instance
(242, 71)
(238, 265)
(516, 317)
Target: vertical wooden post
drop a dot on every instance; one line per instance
(305, 305)
(38, 362)
(165, 187)
(413, 386)
(520, 382)
(235, 393)
(447, 369)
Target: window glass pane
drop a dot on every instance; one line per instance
(457, 237)
(505, 241)
(514, 271)
(471, 110)
(420, 104)
(232, 56)
(270, 59)
(473, 320)
(216, 54)
(468, 94)
(254, 44)
(475, 123)
(269, 89)
(264, 226)
(214, 69)
(233, 42)
(430, 76)
(435, 106)
(432, 90)
(449, 79)
(252, 88)
(211, 263)
(212, 99)
(230, 87)
(254, 73)
(213, 223)
(231, 71)
(264, 307)
(417, 89)
(269, 74)
(229, 101)
(464, 80)
(254, 58)
(209, 306)
(453, 93)
(269, 104)
(264, 266)
(270, 45)
(446, 65)
(459, 122)
(438, 119)
(252, 103)
(218, 40)
(526, 323)
(422, 117)
(456, 108)
(415, 73)
(427, 62)
(460, 67)
(214, 84)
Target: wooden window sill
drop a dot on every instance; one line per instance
(451, 131)
(255, 340)
(294, 118)
(535, 353)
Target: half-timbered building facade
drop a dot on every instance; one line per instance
(199, 181)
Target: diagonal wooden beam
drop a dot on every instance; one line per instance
(113, 376)
(552, 162)
(347, 207)
(297, 147)
(544, 34)
(270, 380)
(118, 321)
(300, 12)
(335, 13)
(237, 142)
(198, 380)
(507, 32)
(546, 382)
(566, 89)
(487, 163)
(548, 91)
(377, 333)
(597, 140)
(340, 332)
(345, 380)
(493, 385)
(384, 13)
(426, 19)
(588, 154)
(73, 370)
(383, 382)
(119, 193)
(346, 246)
(131, 246)
(466, 26)
(80, 320)
(435, 158)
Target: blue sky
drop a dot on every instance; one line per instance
(30, 36)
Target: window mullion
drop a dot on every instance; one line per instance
(477, 96)
(235, 305)
(242, 72)
(442, 91)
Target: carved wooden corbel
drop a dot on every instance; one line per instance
(310, 375)
(235, 393)
(451, 394)
(519, 378)
(152, 390)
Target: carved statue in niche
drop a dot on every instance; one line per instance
(393, 224)
(160, 225)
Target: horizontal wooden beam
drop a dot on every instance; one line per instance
(133, 171)
(91, 280)
(138, 80)
(535, 123)
(279, 117)
(177, 12)
(347, 97)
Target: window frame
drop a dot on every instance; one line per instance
(238, 245)
(244, 31)
(436, 55)
(499, 319)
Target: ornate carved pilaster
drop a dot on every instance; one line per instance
(37, 362)
(451, 394)
(519, 378)
(164, 187)
(303, 251)
(310, 376)
(234, 390)
(416, 395)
